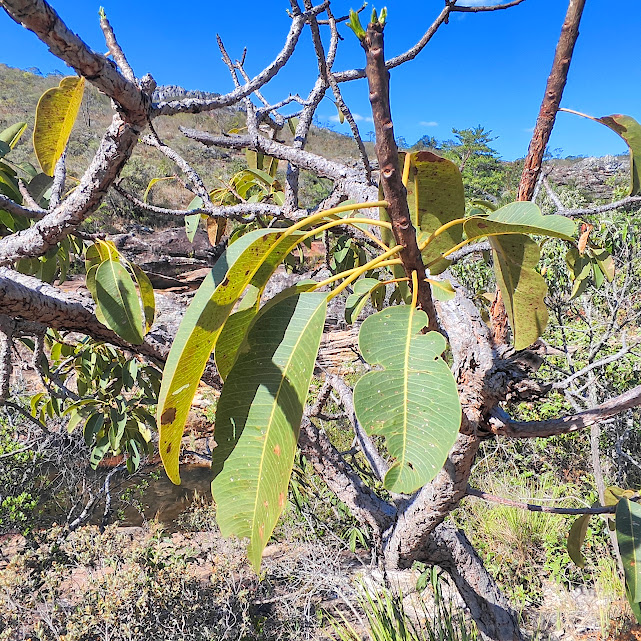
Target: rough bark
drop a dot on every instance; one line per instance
(551, 99)
(450, 549)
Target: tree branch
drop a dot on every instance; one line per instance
(551, 99)
(114, 151)
(390, 175)
(502, 425)
(38, 16)
(194, 106)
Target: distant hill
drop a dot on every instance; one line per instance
(21, 89)
(587, 178)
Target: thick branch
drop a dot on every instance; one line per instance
(551, 99)
(450, 549)
(503, 426)
(18, 210)
(390, 173)
(299, 157)
(114, 151)
(38, 16)
(343, 480)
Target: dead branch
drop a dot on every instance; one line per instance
(194, 105)
(115, 49)
(576, 511)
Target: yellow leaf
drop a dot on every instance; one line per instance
(55, 116)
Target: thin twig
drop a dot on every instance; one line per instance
(601, 509)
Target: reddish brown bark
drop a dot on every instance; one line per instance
(551, 99)
(390, 173)
(544, 124)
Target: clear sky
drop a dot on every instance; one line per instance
(487, 69)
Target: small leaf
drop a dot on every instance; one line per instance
(152, 182)
(522, 288)
(575, 539)
(628, 524)
(38, 186)
(117, 299)
(258, 419)
(630, 130)
(442, 289)
(414, 401)
(293, 123)
(356, 302)
(55, 116)
(146, 290)
(191, 226)
(605, 262)
(11, 135)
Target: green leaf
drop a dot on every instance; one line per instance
(520, 218)
(414, 401)
(191, 226)
(628, 523)
(522, 288)
(442, 289)
(252, 259)
(258, 419)
(38, 186)
(575, 539)
(356, 302)
(55, 116)
(605, 262)
(12, 134)
(292, 123)
(146, 290)
(118, 301)
(435, 195)
(235, 330)
(630, 130)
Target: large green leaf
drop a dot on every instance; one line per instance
(258, 418)
(252, 259)
(118, 301)
(630, 130)
(435, 196)
(523, 289)
(628, 522)
(55, 116)
(414, 401)
(520, 218)
(235, 330)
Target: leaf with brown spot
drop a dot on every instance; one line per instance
(251, 260)
(258, 418)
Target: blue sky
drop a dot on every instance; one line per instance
(487, 69)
